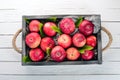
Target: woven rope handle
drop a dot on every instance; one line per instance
(14, 41)
(20, 30)
(110, 38)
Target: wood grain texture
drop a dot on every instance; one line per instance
(15, 15)
(59, 77)
(12, 11)
(110, 68)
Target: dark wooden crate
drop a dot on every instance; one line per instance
(96, 19)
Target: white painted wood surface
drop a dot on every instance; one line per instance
(11, 12)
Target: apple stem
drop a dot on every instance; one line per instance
(48, 59)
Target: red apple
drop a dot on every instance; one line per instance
(67, 25)
(64, 40)
(47, 42)
(91, 41)
(86, 27)
(58, 54)
(47, 28)
(34, 26)
(79, 40)
(88, 55)
(72, 54)
(33, 40)
(36, 54)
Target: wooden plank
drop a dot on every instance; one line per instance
(59, 77)
(65, 3)
(6, 41)
(16, 15)
(13, 10)
(111, 55)
(9, 55)
(107, 68)
(113, 27)
(10, 28)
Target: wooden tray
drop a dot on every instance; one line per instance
(96, 19)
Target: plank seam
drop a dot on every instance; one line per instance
(6, 9)
(54, 74)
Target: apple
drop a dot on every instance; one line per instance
(46, 43)
(34, 26)
(47, 28)
(64, 40)
(72, 54)
(86, 27)
(91, 41)
(36, 54)
(79, 40)
(33, 40)
(67, 25)
(58, 54)
(88, 55)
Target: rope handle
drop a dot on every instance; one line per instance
(14, 41)
(20, 30)
(110, 38)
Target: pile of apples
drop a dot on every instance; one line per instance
(66, 46)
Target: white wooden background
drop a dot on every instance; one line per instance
(11, 12)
